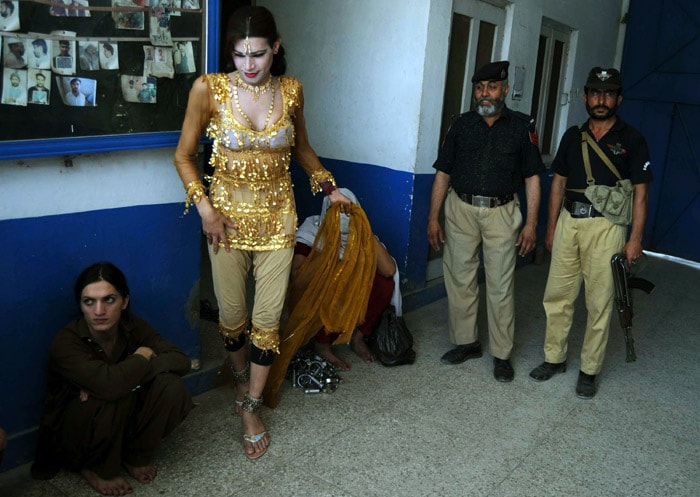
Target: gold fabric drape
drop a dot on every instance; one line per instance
(327, 291)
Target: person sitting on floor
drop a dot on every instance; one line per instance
(114, 389)
(385, 287)
(331, 290)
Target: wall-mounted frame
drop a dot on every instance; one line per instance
(116, 111)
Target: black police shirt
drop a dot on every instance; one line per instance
(490, 161)
(622, 144)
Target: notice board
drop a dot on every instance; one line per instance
(91, 75)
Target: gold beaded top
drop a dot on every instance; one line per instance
(251, 182)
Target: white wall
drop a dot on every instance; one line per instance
(374, 70)
(44, 186)
(361, 64)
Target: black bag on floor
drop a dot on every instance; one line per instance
(392, 343)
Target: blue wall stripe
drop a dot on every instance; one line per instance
(155, 246)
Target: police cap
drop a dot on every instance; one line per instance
(493, 71)
(604, 79)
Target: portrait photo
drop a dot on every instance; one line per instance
(39, 83)
(63, 54)
(162, 64)
(9, 16)
(89, 57)
(183, 57)
(160, 27)
(39, 54)
(139, 89)
(14, 54)
(109, 55)
(14, 87)
(77, 92)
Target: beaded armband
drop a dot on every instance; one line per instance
(322, 181)
(195, 191)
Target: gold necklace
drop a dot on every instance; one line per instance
(256, 90)
(245, 116)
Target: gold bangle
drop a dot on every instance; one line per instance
(318, 177)
(195, 192)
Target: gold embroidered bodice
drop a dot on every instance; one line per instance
(251, 183)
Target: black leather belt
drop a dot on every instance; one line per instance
(481, 201)
(580, 209)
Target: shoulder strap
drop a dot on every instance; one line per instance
(592, 143)
(588, 141)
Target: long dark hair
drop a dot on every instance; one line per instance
(254, 22)
(102, 271)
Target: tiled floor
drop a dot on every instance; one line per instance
(436, 430)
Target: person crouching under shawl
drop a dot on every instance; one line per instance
(329, 293)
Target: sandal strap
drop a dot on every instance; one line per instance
(242, 376)
(251, 404)
(254, 438)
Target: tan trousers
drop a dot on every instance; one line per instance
(467, 229)
(271, 273)
(582, 249)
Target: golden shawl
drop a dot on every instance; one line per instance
(327, 291)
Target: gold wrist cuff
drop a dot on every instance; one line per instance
(195, 192)
(318, 177)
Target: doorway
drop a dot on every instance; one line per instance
(476, 38)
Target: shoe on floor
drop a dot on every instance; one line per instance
(585, 386)
(502, 370)
(461, 353)
(546, 370)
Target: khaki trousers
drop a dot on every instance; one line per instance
(230, 274)
(467, 229)
(582, 249)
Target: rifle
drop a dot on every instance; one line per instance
(624, 284)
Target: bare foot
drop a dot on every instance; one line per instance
(358, 345)
(142, 474)
(115, 486)
(326, 351)
(255, 439)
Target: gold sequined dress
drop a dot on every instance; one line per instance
(251, 182)
(251, 185)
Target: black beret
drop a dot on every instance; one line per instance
(493, 71)
(604, 79)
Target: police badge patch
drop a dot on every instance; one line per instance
(532, 131)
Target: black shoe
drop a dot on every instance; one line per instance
(502, 370)
(546, 370)
(585, 386)
(461, 353)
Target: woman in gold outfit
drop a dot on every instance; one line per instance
(254, 115)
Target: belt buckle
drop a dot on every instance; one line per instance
(583, 210)
(481, 201)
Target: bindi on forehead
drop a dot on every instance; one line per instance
(248, 46)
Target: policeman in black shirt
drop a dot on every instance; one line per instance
(484, 160)
(583, 240)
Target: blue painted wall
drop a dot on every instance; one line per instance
(156, 247)
(661, 76)
(389, 199)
